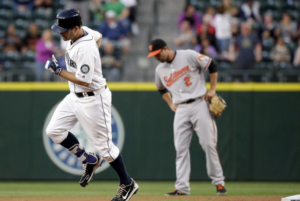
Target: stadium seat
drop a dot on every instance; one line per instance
(265, 56)
(215, 3)
(268, 44)
(223, 65)
(42, 24)
(26, 14)
(11, 56)
(199, 5)
(5, 14)
(264, 65)
(294, 14)
(58, 4)
(22, 24)
(41, 14)
(3, 25)
(29, 56)
(6, 4)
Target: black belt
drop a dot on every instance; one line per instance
(190, 100)
(85, 94)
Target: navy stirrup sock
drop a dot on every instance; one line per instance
(72, 144)
(119, 167)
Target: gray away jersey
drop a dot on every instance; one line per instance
(83, 59)
(183, 77)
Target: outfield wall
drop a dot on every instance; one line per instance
(258, 133)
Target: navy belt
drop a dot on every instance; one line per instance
(86, 94)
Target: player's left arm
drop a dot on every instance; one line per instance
(213, 74)
(205, 62)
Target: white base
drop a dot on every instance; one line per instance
(291, 198)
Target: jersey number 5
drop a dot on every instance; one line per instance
(187, 81)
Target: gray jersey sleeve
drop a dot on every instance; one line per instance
(200, 60)
(158, 82)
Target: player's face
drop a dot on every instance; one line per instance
(69, 35)
(162, 56)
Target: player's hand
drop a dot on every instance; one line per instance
(209, 95)
(52, 66)
(173, 107)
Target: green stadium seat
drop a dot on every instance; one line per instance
(28, 64)
(6, 4)
(5, 14)
(21, 33)
(10, 64)
(263, 65)
(42, 24)
(199, 5)
(277, 15)
(268, 44)
(29, 56)
(284, 65)
(41, 14)
(22, 24)
(26, 14)
(215, 3)
(223, 65)
(295, 14)
(3, 25)
(266, 56)
(11, 56)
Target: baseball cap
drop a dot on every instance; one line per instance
(110, 14)
(66, 19)
(155, 47)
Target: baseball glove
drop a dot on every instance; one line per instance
(217, 105)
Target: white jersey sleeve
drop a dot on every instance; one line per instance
(198, 59)
(158, 82)
(85, 67)
(96, 35)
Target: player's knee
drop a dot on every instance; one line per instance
(181, 150)
(55, 135)
(207, 146)
(109, 154)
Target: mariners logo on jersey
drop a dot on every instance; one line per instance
(70, 61)
(68, 162)
(85, 69)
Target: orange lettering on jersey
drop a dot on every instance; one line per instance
(200, 57)
(176, 75)
(150, 47)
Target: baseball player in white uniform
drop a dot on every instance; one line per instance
(89, 102)
(179, 78)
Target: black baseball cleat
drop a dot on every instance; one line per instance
(126, 192)
(175, 193)
(89, 170)
(221, 190)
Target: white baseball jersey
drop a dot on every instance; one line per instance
(84, 61)
(92, 112)
(183, 77)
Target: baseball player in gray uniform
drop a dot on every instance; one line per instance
(89, 102)
(179, 78)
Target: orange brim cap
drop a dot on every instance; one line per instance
(151, 54)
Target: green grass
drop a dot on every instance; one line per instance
(103, 188)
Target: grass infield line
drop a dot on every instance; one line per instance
(147, 86)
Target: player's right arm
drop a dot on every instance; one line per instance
(72, 78)
(166, 95)
(52, 66)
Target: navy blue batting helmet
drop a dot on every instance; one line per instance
(66, 20)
